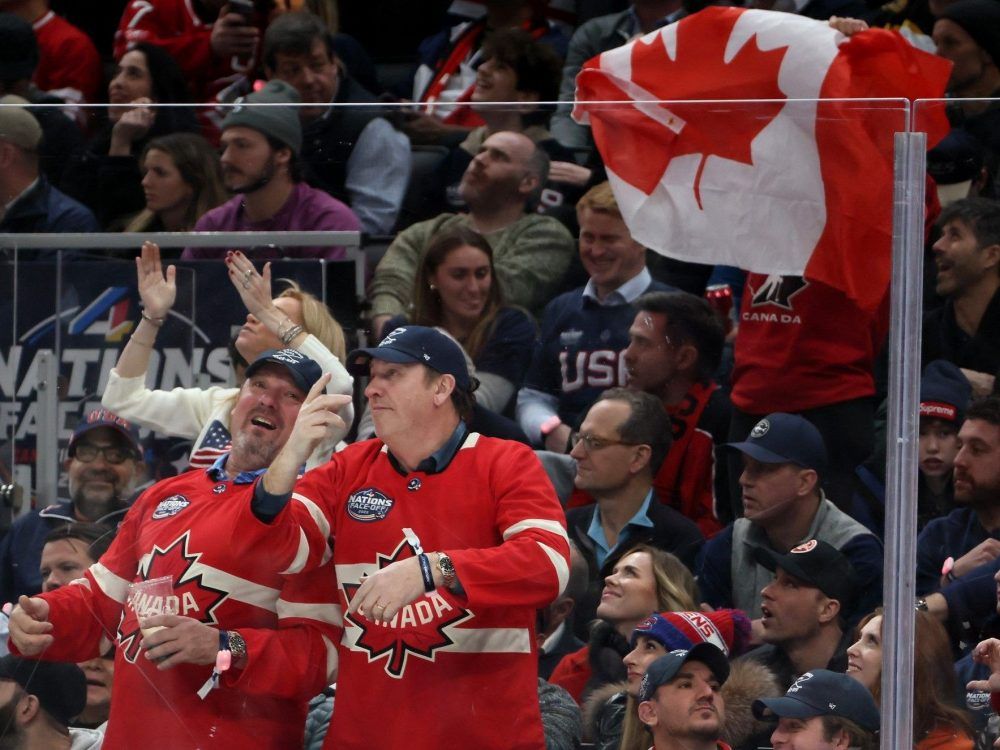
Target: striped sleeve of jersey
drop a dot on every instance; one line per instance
(83, 611)
(299, 658)
(531, 565)
(310, 515)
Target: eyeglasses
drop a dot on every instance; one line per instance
(87, 452)
(591, 443)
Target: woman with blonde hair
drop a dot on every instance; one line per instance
(293, 319)
(643, 580)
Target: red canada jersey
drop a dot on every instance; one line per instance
(68, 63)
(230, 571)
(450, 670)
(174, 25)
(802, 345)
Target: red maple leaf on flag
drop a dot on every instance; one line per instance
(698, 71)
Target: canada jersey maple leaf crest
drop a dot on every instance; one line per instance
(195, 598)
(419, 629)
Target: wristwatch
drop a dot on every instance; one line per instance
(237, 646)
(446, 569)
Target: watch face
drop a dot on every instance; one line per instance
(237, 645)
(447, 569)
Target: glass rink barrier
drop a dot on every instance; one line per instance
(223, 578)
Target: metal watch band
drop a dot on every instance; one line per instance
(237, 646)
(446, 568)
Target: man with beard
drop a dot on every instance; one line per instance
(501, 186)
(969, 536)
(966, 329)
(968, 600)
(237, 598)
(37, 704)
(679, 700)
(260, 164)
(104, 462)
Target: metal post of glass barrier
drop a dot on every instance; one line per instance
(46, 461)
(47, 434)
(902, 435)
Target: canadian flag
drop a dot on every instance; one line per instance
(800, 181)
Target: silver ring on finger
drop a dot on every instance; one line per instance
(247, 274)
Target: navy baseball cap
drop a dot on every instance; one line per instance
(416, 344)
(664, 669)
(60, 687)
(823, 693)
(304, 371)
(785, 438)
(104, 418)
(816, 563)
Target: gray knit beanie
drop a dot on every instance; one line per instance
(281, 123)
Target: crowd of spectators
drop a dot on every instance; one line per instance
(717, 448)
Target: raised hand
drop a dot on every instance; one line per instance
(254, 288)
(157, 290)
(132, 126)
(317, 419)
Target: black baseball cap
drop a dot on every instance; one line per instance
(823, 693)
(816, 563)
(781, 438)
(416, 344)
(664, 669)
(304, 371)
(60, 687)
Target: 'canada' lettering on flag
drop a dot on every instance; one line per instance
(798, 182)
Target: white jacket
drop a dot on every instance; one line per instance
(188, 412)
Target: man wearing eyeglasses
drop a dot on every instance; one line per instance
(621, 444)
(103, 466)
